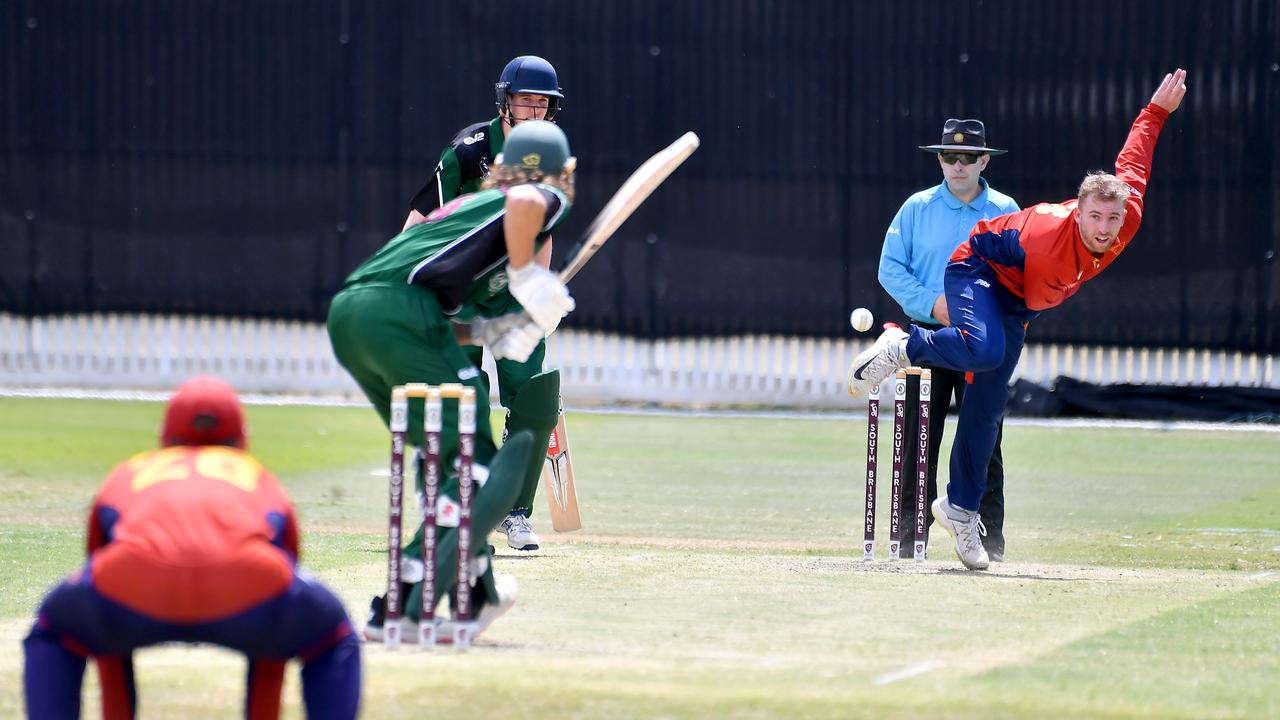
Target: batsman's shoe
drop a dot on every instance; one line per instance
(966, 527)
(520, 534)
(877, 362)
(374, 629)
(507, 590)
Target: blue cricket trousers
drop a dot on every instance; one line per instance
(987, 331)
(307, 621)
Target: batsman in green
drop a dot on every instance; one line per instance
(527, 89)
(467, 275)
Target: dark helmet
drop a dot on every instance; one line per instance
(536, 146)
(528, 74)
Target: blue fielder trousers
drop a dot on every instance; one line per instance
(307, 621)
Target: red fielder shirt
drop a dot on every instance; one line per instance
(192, 534)
(1038, 254)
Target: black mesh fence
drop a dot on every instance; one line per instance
(238, 157)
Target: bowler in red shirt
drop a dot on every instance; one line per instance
(1010, 269)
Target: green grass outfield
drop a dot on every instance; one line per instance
(719, 574)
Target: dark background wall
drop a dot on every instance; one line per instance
(240, 156)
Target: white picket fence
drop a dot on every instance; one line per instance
(273, 356)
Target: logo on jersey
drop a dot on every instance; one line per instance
(219, 463)
(982, 282)
(531, 161)
(473, 139)
(468, 373)
(498, 282)
(447, 209)
(1054, 209)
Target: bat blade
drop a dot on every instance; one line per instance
(558, 481)
(627, 199)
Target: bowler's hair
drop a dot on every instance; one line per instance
(505, 175)
(1103, 186)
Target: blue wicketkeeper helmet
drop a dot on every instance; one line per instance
(528, 74)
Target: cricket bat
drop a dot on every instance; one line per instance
(557, 471)
(627, 199)
(557, 481)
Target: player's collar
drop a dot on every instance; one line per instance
(953, 202)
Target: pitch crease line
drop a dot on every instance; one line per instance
(909, 671)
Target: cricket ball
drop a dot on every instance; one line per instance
(861, 319)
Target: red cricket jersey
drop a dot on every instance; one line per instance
(192, 534)
(1038, 254)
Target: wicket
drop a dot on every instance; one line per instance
(898, 477)
(433, 414)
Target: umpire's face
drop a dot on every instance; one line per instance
(962, 169)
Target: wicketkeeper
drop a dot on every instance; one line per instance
(467, 274)
(527, 89)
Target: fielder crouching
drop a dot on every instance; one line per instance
(195, 542)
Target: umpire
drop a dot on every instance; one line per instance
(927, 229)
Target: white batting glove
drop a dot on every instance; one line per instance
(518, 342)
(488, 331)
(541, 294)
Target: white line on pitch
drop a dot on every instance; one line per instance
(1261, 575)
(907, 672)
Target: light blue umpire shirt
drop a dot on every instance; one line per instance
(929, 226)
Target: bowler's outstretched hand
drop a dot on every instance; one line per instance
(1172, 88)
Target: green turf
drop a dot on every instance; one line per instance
(719, 574)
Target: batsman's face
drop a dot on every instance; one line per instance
(527, 106)
(1100, 222)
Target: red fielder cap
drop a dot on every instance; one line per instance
(203, 411)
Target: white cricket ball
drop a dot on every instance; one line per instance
(861, 319)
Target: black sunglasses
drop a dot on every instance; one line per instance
(966, 158)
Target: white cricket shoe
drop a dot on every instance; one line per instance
(445, 626)
(507, 590)
(966, 527)
(520, 534)
(877, 362)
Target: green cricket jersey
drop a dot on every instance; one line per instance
(459, 253)
(463, 165)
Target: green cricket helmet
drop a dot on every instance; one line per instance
(536, 146)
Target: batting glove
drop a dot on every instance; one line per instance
(489, 331)
(541, 294)
(518, 342)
